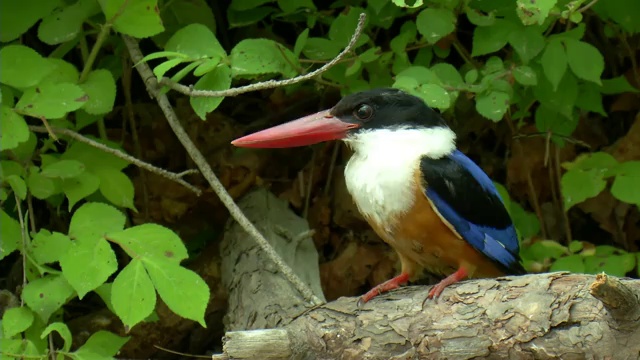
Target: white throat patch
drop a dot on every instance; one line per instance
(380, 175)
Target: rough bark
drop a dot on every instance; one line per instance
(544, 316)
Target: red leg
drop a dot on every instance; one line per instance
(437, 289)
(384, 287)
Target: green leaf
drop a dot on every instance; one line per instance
(571, 263)
(63, 330)
(493, 105)
(10, 233)
(550, 120)
(18, 185)
(63, 169)
(163, 54)
(16, 320)
(104, 291)
(561, 100)
(88, 264)
(625, 186)
(94, 220)
(435, 96)
(253, 57)
(52, 101)
(301, 41)
(525, 75)
(219, 79)
(585, 60)
(47, 294)
(420, 74)
(598, 160)
(471, 76)
(79, 187)
(403, 3)
(248, 17)
(42, 187)
(554, 62)
(434, 24)
(527, 41)
(22, 66)
(590, 99)
(534, 12)
(343, 26)
(65, 23)
(617, 85)
(207, 66)
(242, 5)
(476, 17)
(408, 33)
(101, 89)
(321, 49)
(63, 72)
(196, 41)
(151, 241)
(94, 158)
(626, 13)
(616, 265)
(138, 18)
(578, 186)
(184, 292)
(13, 129)
(162, 68)
(132, 294)
(101, 343)
(47, 247)
(116, 187)
(543, 249)
(289, 6)
(16, 17)
(488, 39)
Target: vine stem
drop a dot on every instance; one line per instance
(153, 87)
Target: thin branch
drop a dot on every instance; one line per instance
(586, 7)
(202, 163)
(23, 235)
(188, 90)
(122, 155)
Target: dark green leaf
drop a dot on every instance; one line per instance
(434, 24)
(253, 57)
(561, 100)
(525, 75)
(16, 17)
(527, 41)
(488, 39)
(321, 49)
(585, 60)
(617, 85)
(590, 99)
(476, 17)
(300, 42)
(549, 120)
(554, 62)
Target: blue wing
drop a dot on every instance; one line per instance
(465, 197)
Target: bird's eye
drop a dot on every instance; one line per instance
(363, 112)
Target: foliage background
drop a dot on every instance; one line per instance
(543, 95)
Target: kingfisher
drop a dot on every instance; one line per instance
(433, 205)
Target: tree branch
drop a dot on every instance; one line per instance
(122, 155)
(153, 88)
(188, 90)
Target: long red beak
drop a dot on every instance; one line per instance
(312, 129)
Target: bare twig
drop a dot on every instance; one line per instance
(122, 155)
(23, 235)
(202, 163)
(188, 90)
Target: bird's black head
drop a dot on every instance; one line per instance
(386, 108)
(355, 114)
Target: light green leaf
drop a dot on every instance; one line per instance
(534, 12)
(18, 185)
(488, 39)
(219, 79)
(93, 220)
(571, 263)
(63, 169)
(177, 14)
(493, 105)
(47, 294)
(16, 320)
(10, 234)
(138, 18)
(421, 74)
(525, 75)
(616, 265)
(132, 294)
(471, 76)
(527, 41)
(602, 161)
(435, 96)
(617, 85)
(408, 33)
(63, 330)
(301, 41)
(94, 158)
(625, 186)
(51, 101)
(184, 292)
(47, 247)
(196, 41)
(321, 49)
(65, 23)
(403, 3)
(554, 63)
(63, 72)
(207, 66)
(116, 187)
(585, 60)
(434, 24)
(13, 129)
(162, 68)
(22, 66)
(253, 57)
(101, 89)
(16, 17)
(88, 264)
(101, 343)
(79, 187)
(151, 241)
(42, 187)
(578, 186)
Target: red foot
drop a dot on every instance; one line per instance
(437, 289)
(384, 287)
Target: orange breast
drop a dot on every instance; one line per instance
(424, 241)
